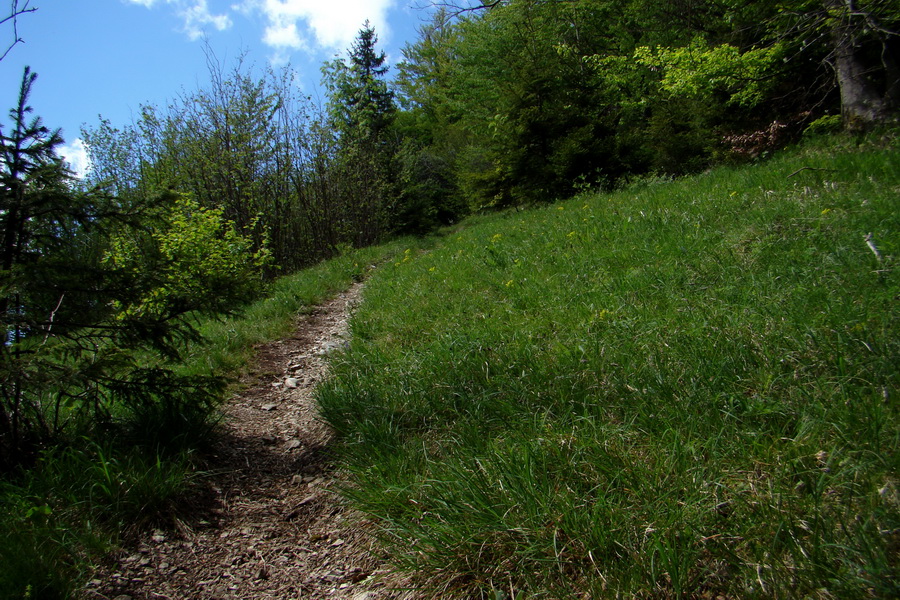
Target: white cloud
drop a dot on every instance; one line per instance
(196, 14)
(284, 35)
(289, 24)
(333, 23)
(75, 154)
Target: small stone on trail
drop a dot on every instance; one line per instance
(268, 407)
(293, 444)
(291, 382)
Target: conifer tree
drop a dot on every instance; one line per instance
(361, 103)
(362, 111)
(46, 230)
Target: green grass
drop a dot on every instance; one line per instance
(230, 341)
(74, 506)
(683, 389)
(228, 345)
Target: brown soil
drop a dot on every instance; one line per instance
(274, 527)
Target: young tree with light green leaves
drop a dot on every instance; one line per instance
(530, 100)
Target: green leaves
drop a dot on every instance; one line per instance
(88, 283)
(196, 258)
(360, 103)
(699, 71)
(362, 113)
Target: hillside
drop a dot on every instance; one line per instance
(685, 388)
(682, 389)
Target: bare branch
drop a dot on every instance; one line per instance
(53, 316)
(870, 19)
(457, 8)
(14, 12)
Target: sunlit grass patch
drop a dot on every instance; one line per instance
(682, 389)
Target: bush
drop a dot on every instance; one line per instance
(824, 125)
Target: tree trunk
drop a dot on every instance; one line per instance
(861, 102)
(891, 61)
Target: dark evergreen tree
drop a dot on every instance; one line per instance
(372, 99)
(362, 105)
(45, 286)
(362, 112)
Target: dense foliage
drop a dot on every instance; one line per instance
(91, 281)
(525, 101)
(361, 114)
(506, 103)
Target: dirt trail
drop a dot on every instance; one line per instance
(276, 529)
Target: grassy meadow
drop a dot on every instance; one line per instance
(683, 389)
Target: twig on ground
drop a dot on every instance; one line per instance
(871, 244)
(801, 169)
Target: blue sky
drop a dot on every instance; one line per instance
(108, 57)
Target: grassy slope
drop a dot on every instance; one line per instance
(681, 389)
